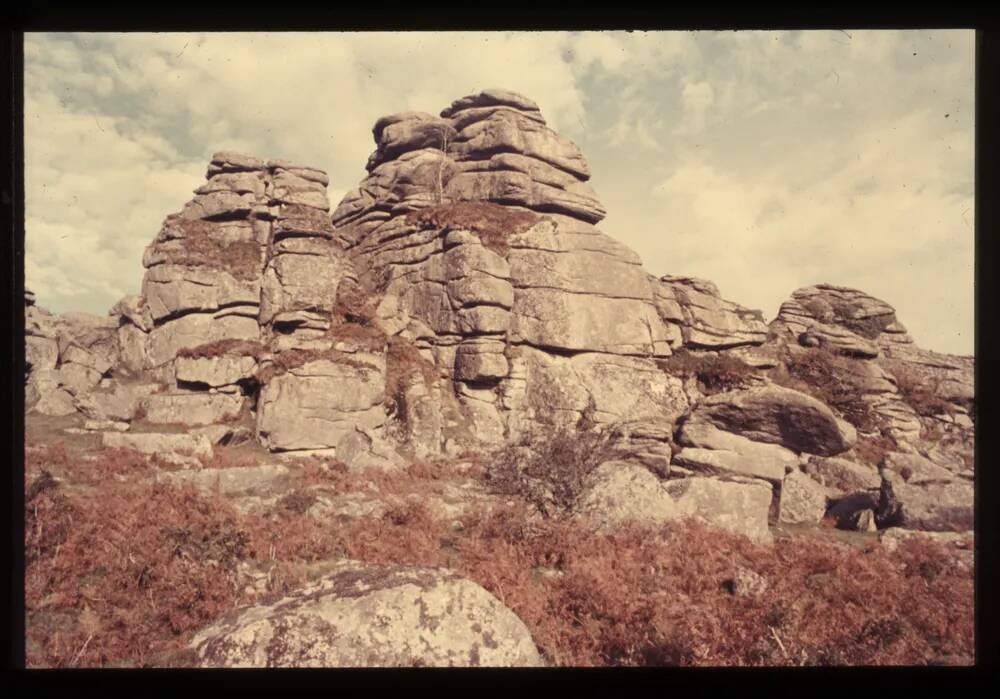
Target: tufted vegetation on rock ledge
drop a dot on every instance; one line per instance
(920, 392)
(828, 377)
(492, 222)
(295, 358)
(715, 371)
(219, 348)
(241, 259)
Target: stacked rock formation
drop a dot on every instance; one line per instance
(478, 229)
(922, 402)
(462, 298)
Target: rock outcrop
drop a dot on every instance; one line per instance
(478, 227)
(462, 298)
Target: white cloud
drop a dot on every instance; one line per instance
(762, 160)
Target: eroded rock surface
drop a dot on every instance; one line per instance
(373, 616)
(461, 298)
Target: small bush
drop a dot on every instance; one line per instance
(492, 222)
(830, 378)
(919, 390)
(550, 471)
(716, 372)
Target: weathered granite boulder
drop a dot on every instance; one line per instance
(709, 449)
(936, 505)
(620, 492)
(706, 320)
(159, 443)
(121, 401)
(320, 402)
(842, 475)
(803, 500)
(777, 415)
(739, 507)
(373, 616)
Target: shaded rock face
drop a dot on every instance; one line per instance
(373, 616)
(777, 415)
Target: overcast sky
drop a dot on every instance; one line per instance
(764, 161)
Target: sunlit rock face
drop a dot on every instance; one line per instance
(477, 226)
(461, 298)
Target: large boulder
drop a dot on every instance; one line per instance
(709, 449)
(935, 506)
(320, 402)
(373, 616)
(803, 500)
(778, 415)
(620, 492)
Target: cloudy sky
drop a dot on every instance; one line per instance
(764, 161)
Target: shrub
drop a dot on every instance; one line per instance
(492, 222)
(403, 365)
(830, 378)
(549, 470)
(918, 389)
(717, 372)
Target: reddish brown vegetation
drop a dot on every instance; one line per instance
(242, 259)
(220, 348)
(119, 574)
(715, 372)
(872, 449)
(362, 337)
(294, 358)
(355, 302)
(492, 222)
(404, 365)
